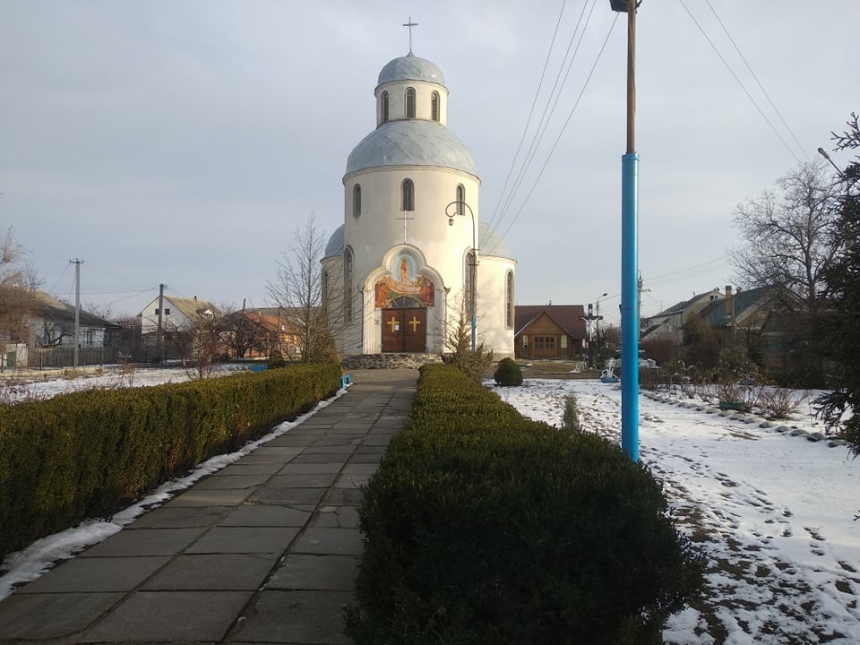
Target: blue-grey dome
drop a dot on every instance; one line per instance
(411, 143)
(335, 243)
(491, 243)
(411, 68)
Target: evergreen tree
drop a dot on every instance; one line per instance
(840, 324)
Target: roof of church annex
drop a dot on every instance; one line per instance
(411, 143)
(493, 245)
(411, 68)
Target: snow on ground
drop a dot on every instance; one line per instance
(774, 513)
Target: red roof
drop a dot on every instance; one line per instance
(568, 317)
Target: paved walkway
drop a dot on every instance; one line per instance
(263, 551)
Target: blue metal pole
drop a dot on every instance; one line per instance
(629, 307)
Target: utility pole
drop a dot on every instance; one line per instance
(629, 252)
(77, 264)
(158, 332)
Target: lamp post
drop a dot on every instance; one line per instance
(473, 264)
(629, 252)
(824, 154)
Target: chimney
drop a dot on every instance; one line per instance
(730, 304)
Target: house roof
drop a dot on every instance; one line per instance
(716, 314)
(191, 307)
(50, 308)
(568, 317)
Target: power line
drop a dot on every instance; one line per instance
(558, 138)
(761, 87)
(728, 67)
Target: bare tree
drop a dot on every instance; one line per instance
(785, 233)
(301, 288)
(19, 281)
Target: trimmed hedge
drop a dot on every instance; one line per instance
(483, 527)
(84, 454)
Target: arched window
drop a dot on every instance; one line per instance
(407, 190)
(509, 300)
(356, 200)
(384, 107)
(434, 106)
(410, 103)
(461, 199)
(347, 286)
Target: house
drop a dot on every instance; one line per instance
(259, 331)
(179, 314)
(53, 325)
(549, 331)
(670, 322)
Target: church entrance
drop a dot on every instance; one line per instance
(404, 330)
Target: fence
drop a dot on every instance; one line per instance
(53, 357)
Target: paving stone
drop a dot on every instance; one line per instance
(318, 480)
(329, 541)
(332, 450)
(309, 469)
(296, 617)
(376, 440)
(96, 575)
(233, 571)
(321, 458)
(344, 497)
(320, 572)
(195, 497)
(296, 497)
(236, 539)
(145, 542)
(248, 469)
(336, 517)
(351, 480)
(182, 616)
(366, 458)
(296, 441)
(281, 451)
(340, 441)
(176, 518)
(25, 615)
(235, 482)
(266, 515)
(359, 469)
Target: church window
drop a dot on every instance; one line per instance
(434, 106)
(410, 103)
(347, 286)
(509, 300)
(385, 107)
(461, 199)
(356, 200)
(408, 195)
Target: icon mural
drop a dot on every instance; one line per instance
(405, 281)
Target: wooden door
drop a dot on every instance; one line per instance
(404, 330)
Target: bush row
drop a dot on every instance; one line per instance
(484, 527)
(84, 454)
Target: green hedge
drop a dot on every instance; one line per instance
(84, 454)
(483, 527)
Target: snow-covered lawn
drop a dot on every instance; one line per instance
(774, 513)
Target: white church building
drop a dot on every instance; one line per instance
(412, 256)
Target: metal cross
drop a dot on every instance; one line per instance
(410, 24)
(405, 219)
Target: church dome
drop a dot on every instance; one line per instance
(335, 243)
(411, 143)
(492, 244)
(411, 68)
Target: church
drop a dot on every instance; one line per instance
(412, 257)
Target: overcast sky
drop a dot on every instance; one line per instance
(183, 142)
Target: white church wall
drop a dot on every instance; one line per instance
(491, 306)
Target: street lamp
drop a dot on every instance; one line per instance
(473, 264)
(629, 252)
(824, 154)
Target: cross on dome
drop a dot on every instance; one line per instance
(410, 24)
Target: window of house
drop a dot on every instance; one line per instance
(90, 337)
(167, 311)
(545, 342)
(509, 300)
(408, 195)
(356, 200)
(563, 341)
(410, 103)
(384, 107)
(434, 106)
(157, 311)
(525, 340)
(347, 286)
(461, 199)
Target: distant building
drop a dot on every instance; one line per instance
(178, 314)
(550, 331)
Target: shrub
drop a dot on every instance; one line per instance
(481, 526)
(508, 373)
(473, 364)
(276, 359)
(570, 417)
(779, 402)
